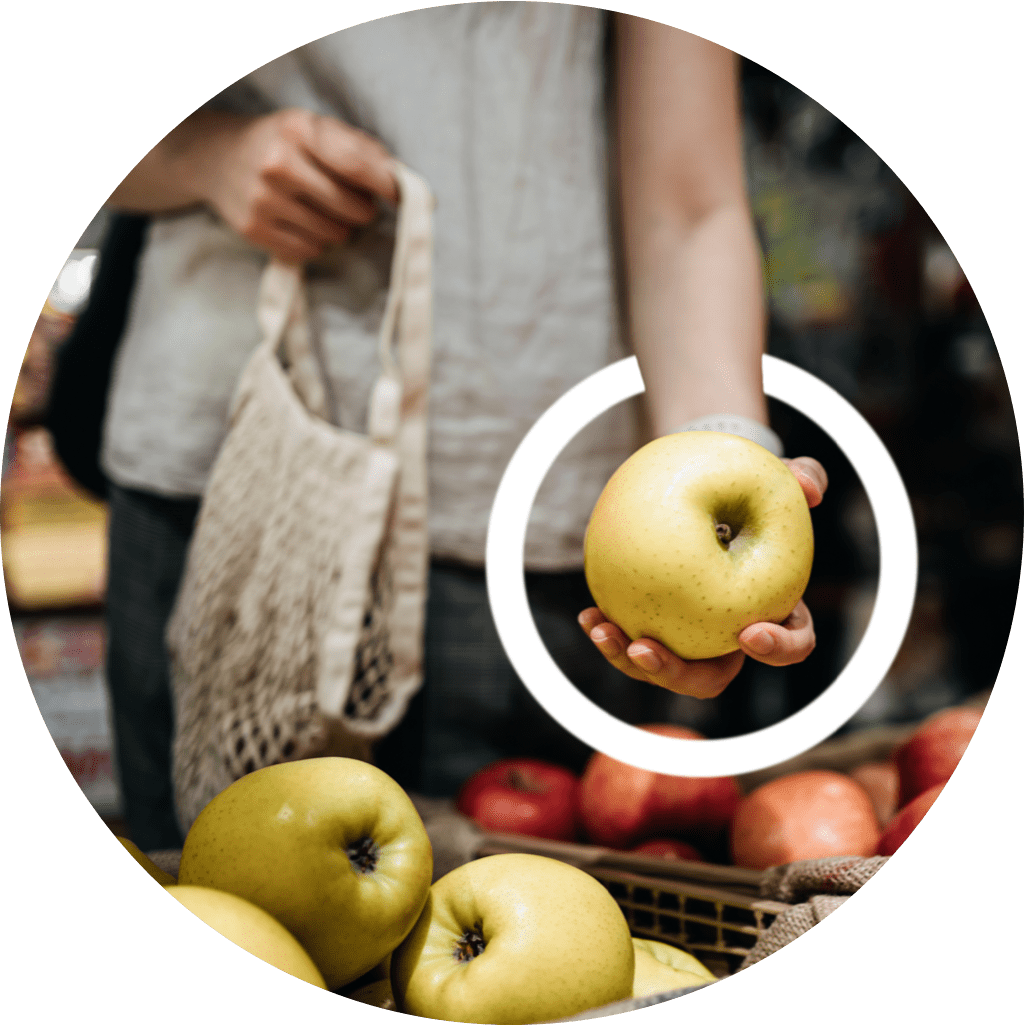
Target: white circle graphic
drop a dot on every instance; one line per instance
(506, 585)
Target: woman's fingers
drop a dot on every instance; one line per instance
(301, 179)
(611, 642)
(285, 242)
(353, 156)
(781, 644)
(296, 183)
(647, 660)
(812, 477)
(698, 678)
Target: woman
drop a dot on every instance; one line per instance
(574, 221)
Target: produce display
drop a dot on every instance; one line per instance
(323, 868)
(695, 537)
(868, 810)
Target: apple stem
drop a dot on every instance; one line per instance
(724, 532)
(363, 855)
(470, 944)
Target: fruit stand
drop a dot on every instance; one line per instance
(702, 920)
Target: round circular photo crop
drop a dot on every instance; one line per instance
(468, 797)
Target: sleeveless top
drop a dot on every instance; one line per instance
(501, 108)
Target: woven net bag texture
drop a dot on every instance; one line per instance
(297, 630)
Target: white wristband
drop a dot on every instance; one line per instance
(734, 424)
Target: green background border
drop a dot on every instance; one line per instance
(88, 89)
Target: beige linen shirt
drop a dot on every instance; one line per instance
(500, 107)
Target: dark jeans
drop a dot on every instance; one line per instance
(473, 708)
(148, 540)
(471, 711)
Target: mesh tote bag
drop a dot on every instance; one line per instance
(297, 630)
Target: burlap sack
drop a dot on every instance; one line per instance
(819, 885)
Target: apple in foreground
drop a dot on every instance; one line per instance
(514, 939)
(249, 927)
(523, 796)
(621, 805)
(695, 537)
(931, 754)
(377, 993)
(661, 967)
(160, 875)
(900, 827)
(814, 814)
(332, 848)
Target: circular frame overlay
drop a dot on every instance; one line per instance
(506, 583)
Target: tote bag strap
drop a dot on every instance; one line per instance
(282, 312)
(404, 341)
(400, 413)
(405, 331)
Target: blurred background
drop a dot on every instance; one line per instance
(863, 292)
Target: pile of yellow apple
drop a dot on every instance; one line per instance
(323, 868)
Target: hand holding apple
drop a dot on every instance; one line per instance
(656, 552)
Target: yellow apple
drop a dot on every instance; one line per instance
(332, 848)
(514, 939)
(662, 967)
(249, 927)
(695, 537)
(377, 993)
(161, 876)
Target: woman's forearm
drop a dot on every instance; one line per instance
(693, 273)
(177, 173)
(696, 319)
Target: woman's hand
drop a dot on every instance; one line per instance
(295, 183)
(292, 183)
(781, 644)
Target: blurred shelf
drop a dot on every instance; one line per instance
(53, 535)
